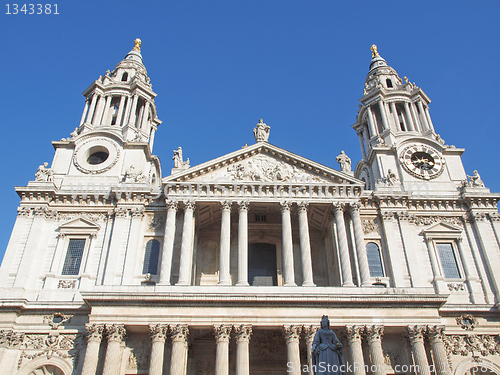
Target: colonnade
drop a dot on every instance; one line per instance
(186, 256)
(179, 334)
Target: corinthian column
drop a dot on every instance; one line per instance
(416, 337)
(354, 340)
(225, 244)
(158, 335)
(436, 334)
(345, 262)
(222, 335)
(243, 243)
(305, 246)
(94, 337)
(178, 361)
(374, 337)
(168, 243)
(310, 332)
(186, 261)
(116, 335)
(286, 220)
(292, 336)
(243, 334)
(359, 237)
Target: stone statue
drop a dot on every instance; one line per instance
(261, 131)
(391, 178)
(327, 357)
(344, 161)
(178, 162)
(74, 133)
(43, 173)
(133, 175)
(475, 180)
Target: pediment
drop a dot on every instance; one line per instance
(263, 163)
(442, 230)
(79, 226)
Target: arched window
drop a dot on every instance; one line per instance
(389, 83)
(151, 257)
(124, 77)
(374, 260)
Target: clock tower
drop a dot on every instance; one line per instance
(402, 153)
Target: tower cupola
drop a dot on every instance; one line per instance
(122, 101)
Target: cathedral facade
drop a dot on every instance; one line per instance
(227, 267)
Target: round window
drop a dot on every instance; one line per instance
(97, 155)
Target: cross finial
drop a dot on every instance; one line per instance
(137, 45)
(374, 50)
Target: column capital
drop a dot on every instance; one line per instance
(179, 332)
(94, 332)
(435, 333)
(171, 204)
(338, 207)
(374, 333)
(223, 332)
(243, 332)
(388, 215)
(226, 205)
(354, 333)
(309, 332)
(243, 206)
(355, 206)
(158, 332)
(285, 206)
(494, 216)
(416, 333)
(302, 206)
(292, 333)
(115, 332)
(189, 205)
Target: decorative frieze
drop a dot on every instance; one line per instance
(456, 287)
(66, 284)
(156, 223)
(94, 217)
(11, 339)
(56, 320)
(137, 212)
(472, 344)
(121, 212)
(23, 211)
(369, 226)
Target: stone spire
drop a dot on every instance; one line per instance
(380, 73)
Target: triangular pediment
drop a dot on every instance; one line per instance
(265, 163)
(443, 230)
(79, 225)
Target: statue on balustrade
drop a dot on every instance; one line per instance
(327, 357)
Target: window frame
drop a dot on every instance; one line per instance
(456, 255)
(153, 278)
(85, 253)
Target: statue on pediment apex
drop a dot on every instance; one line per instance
(261, 131)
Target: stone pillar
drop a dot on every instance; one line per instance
(305, 246)
(120, 110)
(288, 269)
(396, 258)
(362, 145)
(178, 361)
(310, 332)
(112, 362)
(416, 337)
(409, 119)
(429, 121)
(94, 338)
(121, 218)
(359, 238)
(222, 336)
(133, 245)
(374, 336)
(292, 337)
(383, 114)
(158, 335)
(345, 262)
(243, 334)
(168, 243)
(85, 111)
(438, 278)
(371, 123)
(354, 340)
(145, 115)
(126, 112)
(186, 261)
(133, 110)
(92, 109)
(225, 244)
(416, 120)
(107, 107)
(411, 256)
(395, 116)
(423, 115)
(436, 335)
(243, 243)
(98, 111)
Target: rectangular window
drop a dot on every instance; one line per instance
(74, 256)
(260, 218)
(448, 260)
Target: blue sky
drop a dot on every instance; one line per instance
(218, 66)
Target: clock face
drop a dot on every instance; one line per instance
(422, 161)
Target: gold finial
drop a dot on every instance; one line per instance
(374, 50)
(137, 46)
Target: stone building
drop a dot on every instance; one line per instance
(227, 267)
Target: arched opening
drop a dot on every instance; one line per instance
(262, 264)
(389, 83)
(124, 77)
(47, 370)
(151, 256)
(374, 260)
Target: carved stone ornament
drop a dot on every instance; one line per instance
(354, 333)
(94, 217)
(428, 220)
(94, 332)
(267, 345)
(261, 131)
(344, 161)
(243, 332)
(476, 344)
(156, 223)
(416, 333)
(189, 205)
(369, 226)
(179, 332)
(262, 168)
(24, 211)
(133, 175)
(115, 332)
(374, 333)
(81, 155)
(223, 332)
(66, 284)
(43, 173)
(467, 322)
(309, 332)
(457, 287)
(243, 205)
(56, 320)
(10, 339)
(139, 355)
(158, 332)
